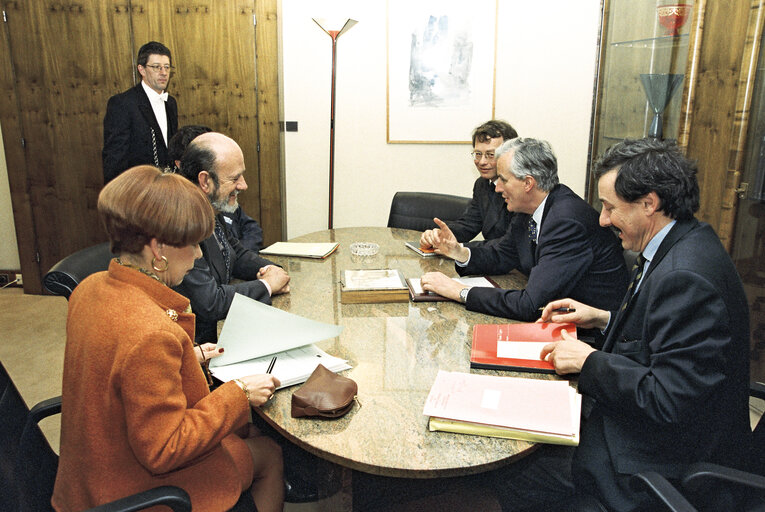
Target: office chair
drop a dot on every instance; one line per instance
(415, 210)
(28, 464)
(62, 278)
(711, 486)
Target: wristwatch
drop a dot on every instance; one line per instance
(463, 295)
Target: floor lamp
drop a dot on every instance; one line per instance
(333, 30)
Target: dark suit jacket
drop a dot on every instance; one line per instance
(575, 257)
(671, 384)
(245, 228)
(128, 126)
(211, 293)
(487, 214)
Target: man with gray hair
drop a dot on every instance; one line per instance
(554, 239)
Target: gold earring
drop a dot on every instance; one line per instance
(154, 264)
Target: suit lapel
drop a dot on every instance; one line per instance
(215, 258)
(676, 233)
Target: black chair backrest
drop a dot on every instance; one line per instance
(13, 414)
(28, 464)
(65, 275)
(415, 210)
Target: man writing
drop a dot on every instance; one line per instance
(215, 163)
(671, 385)
(486, 213)
(554, 239)
(140, 121)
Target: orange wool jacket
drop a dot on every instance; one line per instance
(136, 411)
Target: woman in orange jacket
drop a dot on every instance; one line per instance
(137, 412)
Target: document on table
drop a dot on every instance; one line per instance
(467, 281)
(253, 329)
(292, 366)
(532, 409)
(300, 249)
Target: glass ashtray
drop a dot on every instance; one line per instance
(364, 248)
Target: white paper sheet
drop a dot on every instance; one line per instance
(253, 329)
(292, 366)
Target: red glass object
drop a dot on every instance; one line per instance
(673, 17)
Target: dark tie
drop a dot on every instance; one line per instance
(220, 237)
(532, 230)
(637, 273)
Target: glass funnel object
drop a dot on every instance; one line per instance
(659, 89)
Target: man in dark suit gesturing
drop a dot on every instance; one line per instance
(486, 213)
(140, 121)
(215, 163)
(671, 385)
(554, 239)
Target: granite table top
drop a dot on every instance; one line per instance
(396, 350)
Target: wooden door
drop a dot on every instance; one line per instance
(60, 78)
(63, 59)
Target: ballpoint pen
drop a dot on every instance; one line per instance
(271, 364)
(561, 310)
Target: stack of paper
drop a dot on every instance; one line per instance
(291, 367)
(373, 286)
(304, 250)
(545, 411)
(254, 332)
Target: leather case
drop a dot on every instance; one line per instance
(324, 394)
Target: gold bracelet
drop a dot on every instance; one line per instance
(244, 388)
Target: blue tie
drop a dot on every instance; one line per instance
(532, 230)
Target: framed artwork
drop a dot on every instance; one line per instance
(441, 69)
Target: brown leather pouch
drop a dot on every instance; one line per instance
(324, 394)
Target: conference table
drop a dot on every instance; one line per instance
(396, 350)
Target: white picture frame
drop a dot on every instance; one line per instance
(441, 69)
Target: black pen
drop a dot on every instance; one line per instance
(560, 310)
(271, 364)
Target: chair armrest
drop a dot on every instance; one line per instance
(174, 497)
(703, 474)
(660, 487)
(45, 408)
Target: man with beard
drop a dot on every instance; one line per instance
(215, 163)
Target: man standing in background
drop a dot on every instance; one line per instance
(140, 121)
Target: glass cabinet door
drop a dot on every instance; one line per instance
(644, 55)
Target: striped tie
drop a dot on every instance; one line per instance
(637, 270)
(220, 237)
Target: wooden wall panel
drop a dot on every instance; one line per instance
(14, 157)
(266, 39)
(61, 76)
(63, 59)
(714, 102)
(215, 83)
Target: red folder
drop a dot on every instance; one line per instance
(489, 338)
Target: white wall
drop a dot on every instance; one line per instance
(9, 252)
(546, 59)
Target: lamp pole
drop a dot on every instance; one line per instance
(334, 34)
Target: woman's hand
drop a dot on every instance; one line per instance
(260, 388)
(207, 351)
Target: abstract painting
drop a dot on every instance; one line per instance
(440, 69)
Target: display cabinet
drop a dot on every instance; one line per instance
(643, 71)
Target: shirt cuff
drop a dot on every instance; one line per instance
(268, 288)
(464, 263)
